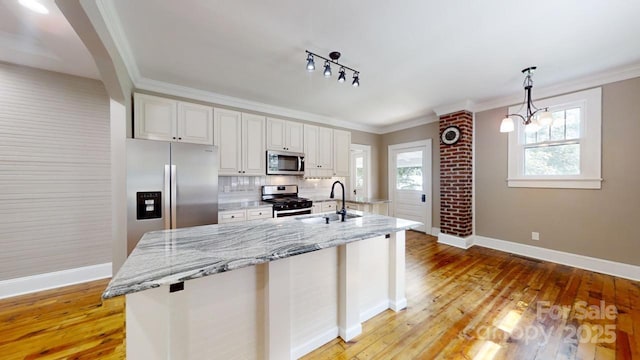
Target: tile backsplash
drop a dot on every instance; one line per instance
(247, 188)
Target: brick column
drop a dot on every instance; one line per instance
(456, 165)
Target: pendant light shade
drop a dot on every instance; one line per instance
(356, 80)
(506, 125)
(545, 118)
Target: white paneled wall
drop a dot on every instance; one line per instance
(55, 199)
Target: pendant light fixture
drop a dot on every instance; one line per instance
(534, 118)
(332, 60)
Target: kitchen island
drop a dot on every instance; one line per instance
(296, 284)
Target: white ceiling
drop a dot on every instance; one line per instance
(413, 56)
(42, 41)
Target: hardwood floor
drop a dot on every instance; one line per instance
(66, 323)
(484, 304)
(473, 304)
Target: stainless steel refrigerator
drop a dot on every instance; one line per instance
(169, 186)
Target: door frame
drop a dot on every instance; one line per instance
(366, 149)
(428, 179)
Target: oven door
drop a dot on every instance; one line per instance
(294, 212)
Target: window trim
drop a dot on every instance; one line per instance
(590, 102)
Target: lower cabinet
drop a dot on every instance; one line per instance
(379, 208)
(231, 216)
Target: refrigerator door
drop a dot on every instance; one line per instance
(195, 185)
(147, 188)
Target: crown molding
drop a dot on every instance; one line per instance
(455, 107)
(582, 83)
(224, 100)
(114, 27)
(427, 119)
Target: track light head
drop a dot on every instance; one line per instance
(327, 69)
(342, 75)
(356, 79)
(311, 65)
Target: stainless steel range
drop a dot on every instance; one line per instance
(285, 200)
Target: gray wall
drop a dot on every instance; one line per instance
(422, 132)
(597, 223)
(55, 189)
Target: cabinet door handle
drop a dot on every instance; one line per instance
(424, 197)
(174, 138)
(179, 138)
(233, 216)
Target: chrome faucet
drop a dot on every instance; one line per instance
(342, 212)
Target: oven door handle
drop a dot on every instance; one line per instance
(291, 211)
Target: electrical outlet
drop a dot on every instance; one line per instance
(535, 236)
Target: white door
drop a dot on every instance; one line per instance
(410, 182)
(359, 172)
(341, 150)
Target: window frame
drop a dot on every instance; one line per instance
(590, 103)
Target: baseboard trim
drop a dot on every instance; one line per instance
(459, 242)
(314, 343)
(435, 231)
(398, 305)
(375, 310)
(52, 280)
(627, 271)
(350, 333)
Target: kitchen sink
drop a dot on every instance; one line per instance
(322, 218)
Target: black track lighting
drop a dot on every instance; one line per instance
(334, 56)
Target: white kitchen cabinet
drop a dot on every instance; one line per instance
(329, 206)
(316, 208)
(283, 135)
(377, 208)
(318, 150)
(254, 160)
(240, 138)
(230, 216)
(260, 213)
(225, 217)
(341, 152)
(157, 118)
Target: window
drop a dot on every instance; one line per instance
(565, 154)
(409, 170)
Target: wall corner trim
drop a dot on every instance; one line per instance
(608, 267)
(459, 242)
(435, 231)
(52, 280)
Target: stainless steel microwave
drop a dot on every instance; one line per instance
(285, 163)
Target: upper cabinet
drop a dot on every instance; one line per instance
(318, 150)
(240, 138)
(341, 152)
(157, 118)
(283, 135)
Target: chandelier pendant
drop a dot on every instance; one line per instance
(533, 118)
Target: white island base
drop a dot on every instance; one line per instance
(281, 309)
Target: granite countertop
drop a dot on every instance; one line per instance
(355, 199)
(242, 205)
(170, 256)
